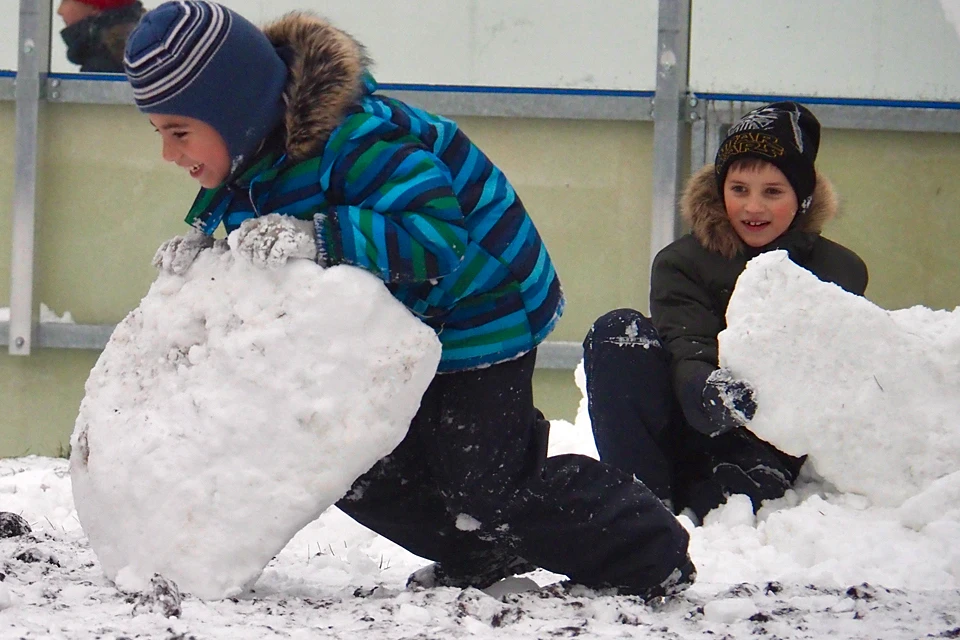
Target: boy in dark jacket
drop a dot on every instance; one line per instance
(296, 151)
(660, 405)
(96, 31)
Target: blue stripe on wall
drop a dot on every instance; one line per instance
(847, 102)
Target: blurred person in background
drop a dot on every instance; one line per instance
(96, 31)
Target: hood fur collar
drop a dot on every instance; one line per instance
(702, 208)
(327, 68)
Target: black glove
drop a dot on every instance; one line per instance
(727, 402)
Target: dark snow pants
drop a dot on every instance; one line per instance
(639, 427)
(471, 484)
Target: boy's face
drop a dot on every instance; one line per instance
(195, 146)
(760, 203)
(73, 11)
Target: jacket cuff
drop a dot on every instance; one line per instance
(690, 395)
(319, 227)
(329, 243)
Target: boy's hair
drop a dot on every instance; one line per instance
(748, 163)
(785, 134)
(201, 60)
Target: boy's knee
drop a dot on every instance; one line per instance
(622, 327)
(480, 510)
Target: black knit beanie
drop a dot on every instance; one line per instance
(785, 134)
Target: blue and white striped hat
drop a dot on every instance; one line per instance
(201, 60)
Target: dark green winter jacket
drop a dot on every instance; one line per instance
(693, 277)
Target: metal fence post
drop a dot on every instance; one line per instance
(673, 47)
(33, 64)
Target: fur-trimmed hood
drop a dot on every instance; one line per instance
(702, 208)
(327, 68)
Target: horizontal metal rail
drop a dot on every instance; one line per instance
(65, 335)
(454, 101)
(838, 113)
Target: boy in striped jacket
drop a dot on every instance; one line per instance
(295, 149)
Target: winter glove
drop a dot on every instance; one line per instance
(177, 254)
(727, 402)
(269, 241)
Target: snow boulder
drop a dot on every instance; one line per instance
(231, 408)
(846, 382)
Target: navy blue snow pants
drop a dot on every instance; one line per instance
(639, 426)
(471, 484)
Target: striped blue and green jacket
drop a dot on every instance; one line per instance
(406, 195)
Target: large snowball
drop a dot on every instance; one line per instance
(845, 381)
(231, 408)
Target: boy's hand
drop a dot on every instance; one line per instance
(178, 253)
(269, 241)
(727, 401)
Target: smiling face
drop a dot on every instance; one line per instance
(195, 146)
(760, 202)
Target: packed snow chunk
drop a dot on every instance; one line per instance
(940, 501)
(231, 408)
(846, 382)
(729, 610)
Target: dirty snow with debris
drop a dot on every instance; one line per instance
(819, 562)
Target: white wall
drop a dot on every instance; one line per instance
(879, 49)
(585, 44)
(9, 26)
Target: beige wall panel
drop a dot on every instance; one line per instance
(556, 394)
(900, 203)
(40, 400)
(588, 187)
(106, 202)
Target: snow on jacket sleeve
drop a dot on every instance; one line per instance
(395, 210)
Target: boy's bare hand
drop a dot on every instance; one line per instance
(178, 253)
(269, 241)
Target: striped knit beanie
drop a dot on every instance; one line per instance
(201, 60)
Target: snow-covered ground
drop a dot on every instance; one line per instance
(817, 565)
(867, 562)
